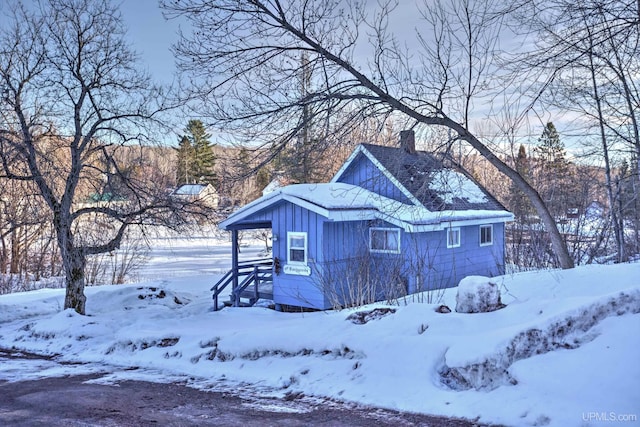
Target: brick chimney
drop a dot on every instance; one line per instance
(408, 141)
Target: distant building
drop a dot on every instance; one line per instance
(276, 184)
(203, 193)
(595, 210)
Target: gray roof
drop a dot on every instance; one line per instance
(436, 186)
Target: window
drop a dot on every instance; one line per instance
(486, 235)
(297, 248)
(384, 240)
(453, 237)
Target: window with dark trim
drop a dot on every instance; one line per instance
(384, 240)
(486, 235)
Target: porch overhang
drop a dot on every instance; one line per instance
(246, 226)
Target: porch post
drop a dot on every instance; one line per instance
(234, 259)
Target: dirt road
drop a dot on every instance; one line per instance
(72, 401)
(68, 401)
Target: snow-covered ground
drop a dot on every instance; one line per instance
(565, 351)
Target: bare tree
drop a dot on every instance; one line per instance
(587, 58)
(73, 96)
(246, 54)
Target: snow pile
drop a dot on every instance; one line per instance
(477, 294)
(568, 331)
(538, 361)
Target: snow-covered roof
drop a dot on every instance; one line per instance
(425, 180)
(190, 189)
(346, 202)
(271, 187)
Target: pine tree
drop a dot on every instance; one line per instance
(185, 156)
(196, 160)
(519, 203)
(550, 148)
(553, 172)
(203, 157)
(300, 161)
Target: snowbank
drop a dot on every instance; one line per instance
(565, 346)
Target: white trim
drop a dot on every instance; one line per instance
(384, 251)
(297, 234)
(347, 162)
(307, 205)
(377, 164)
(434, 221)
(490, 226)
(500, 217)
(447, 235)
(249, 209)
(266, 201)
(363, 214)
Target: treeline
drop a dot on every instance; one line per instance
(576, 193)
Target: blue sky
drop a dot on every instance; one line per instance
(147, 30)
(151, 36)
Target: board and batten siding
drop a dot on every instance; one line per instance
(363, 173)
(441, 267)
(424, 261)
(346, 247)
(293, 289)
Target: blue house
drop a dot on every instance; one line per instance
(393, 221)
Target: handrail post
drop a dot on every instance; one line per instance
(257, 281)
(234, 265)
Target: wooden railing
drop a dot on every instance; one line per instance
(254, 272)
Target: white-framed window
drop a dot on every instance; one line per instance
(296, 248)
(384, 240)
(486, 235)
(453, 237)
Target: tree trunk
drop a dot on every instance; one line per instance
(16, 252)
(3, 254)
(74, 263)
(611, 195)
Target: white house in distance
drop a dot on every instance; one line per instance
(203, 193)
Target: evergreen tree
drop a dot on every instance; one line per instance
(300, 161)
(203, 157)
(196, 160)
(519, 203)
(185, 156)
(550, 149)
(553, 172)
